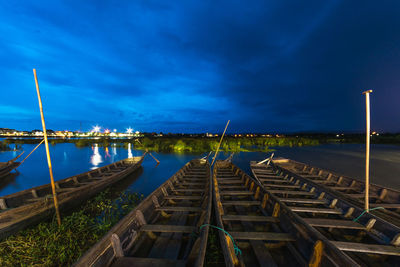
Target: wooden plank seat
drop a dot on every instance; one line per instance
(241, 203)
(342, 188)
(333, 223)
(189, 190)
(167, 228)
(303, 200)
(274, 180)
(266, 236)
(184, 197)
(174, 208)
(236, 193)
(367, 248)
(282, 186)
(303, 193)
(315, 210)
(145, 262)
(250, 218)
(235, 181)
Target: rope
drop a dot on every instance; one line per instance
(377, 208)
(237, 249)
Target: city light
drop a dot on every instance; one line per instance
(129, 130)
(96, 129)
(106, 131)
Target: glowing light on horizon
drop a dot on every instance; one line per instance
(96, 129)
(106, 131)
(129, 130)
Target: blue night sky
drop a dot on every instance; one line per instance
(189, 66)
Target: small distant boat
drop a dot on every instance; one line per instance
(168, 228)
(7, 167)
(30, 206)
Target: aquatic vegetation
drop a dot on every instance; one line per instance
(4, 146)
(49, 245)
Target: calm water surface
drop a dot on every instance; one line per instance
(68, 160)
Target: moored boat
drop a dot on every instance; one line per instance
(168, 228)
(367, 239)
(383, 201)
(9, 166)
(257, 229)
(30, 206)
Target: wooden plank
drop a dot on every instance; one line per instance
(183, 197)
(275, 180)
(190, 190)
(303, 193)
(282, 186)
(342, 188)
(267, 236)
(173, 208)
(367, 248)
(250, 218)
(241, 203)
(236, 193)
(303, 200)
(315, 210)
(145, 262)
(333, 223)
(167, 228)
(236, 181)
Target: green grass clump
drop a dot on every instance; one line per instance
(49, 245)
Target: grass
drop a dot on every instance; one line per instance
(49, 245)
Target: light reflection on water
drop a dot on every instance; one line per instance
(96, 158)
(68, 160)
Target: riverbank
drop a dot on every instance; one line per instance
(180, 144)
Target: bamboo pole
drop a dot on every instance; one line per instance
(367, 144)
(53, 188)
(32, 151)
(220, 141)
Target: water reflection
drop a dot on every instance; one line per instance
(130, 155)
(107, 153)
(95, 159)
(113, 151)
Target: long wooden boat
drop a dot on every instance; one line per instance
(387, 200)
(7, 167)
(30, 206)
(168, 228)
(367, 239)
(266, 232)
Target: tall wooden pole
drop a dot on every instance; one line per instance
(53, 188)
(367, 142)
(220, 141)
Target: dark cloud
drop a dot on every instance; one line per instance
(190, 66)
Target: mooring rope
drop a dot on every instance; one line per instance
(377, 208)
(236, 248)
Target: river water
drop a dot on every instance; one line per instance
(68, 160)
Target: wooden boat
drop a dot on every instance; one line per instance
(263, 228)
(168, 228)
(7, 167)
(30, 206)
(350, 189)
(364, 237)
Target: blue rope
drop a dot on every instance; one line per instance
(356, 219)
(237, 249)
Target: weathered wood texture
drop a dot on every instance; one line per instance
(335, 218)
(263, 227)
(168, 228)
